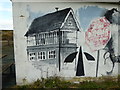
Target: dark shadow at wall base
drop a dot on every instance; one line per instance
(8, 80)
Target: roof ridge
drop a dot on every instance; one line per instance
(48, 22)
(54, 12)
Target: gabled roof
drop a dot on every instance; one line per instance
(48, 22)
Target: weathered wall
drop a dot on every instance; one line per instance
(25, 13)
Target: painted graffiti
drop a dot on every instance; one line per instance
(113, 16)
(76, 41)
(80, 66)
(41, 36)
(98, 34)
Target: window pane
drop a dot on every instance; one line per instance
(43, 57)
(54, 56)
(51, 54)
(40, 57)
(41, 53)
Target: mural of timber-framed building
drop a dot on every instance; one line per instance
(52, 37)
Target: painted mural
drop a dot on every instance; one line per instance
(66, 40)
(49, 40)
(100, 33)
(52, 39)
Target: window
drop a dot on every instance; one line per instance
(32, 56)
(52, 54)
(42, 41)
(42, 55)
(70, 23)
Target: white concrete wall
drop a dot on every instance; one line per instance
(25, 71)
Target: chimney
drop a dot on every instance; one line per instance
(56, 8)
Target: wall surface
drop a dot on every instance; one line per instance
(97, 52)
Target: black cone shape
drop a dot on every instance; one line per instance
(80, 66)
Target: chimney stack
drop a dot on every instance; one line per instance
(56, 8)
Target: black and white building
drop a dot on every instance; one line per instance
(52, 37)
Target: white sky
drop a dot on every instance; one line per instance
(6, 21)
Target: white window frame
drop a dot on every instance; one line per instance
(53, 55)
(32, 55)
(43, 57)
